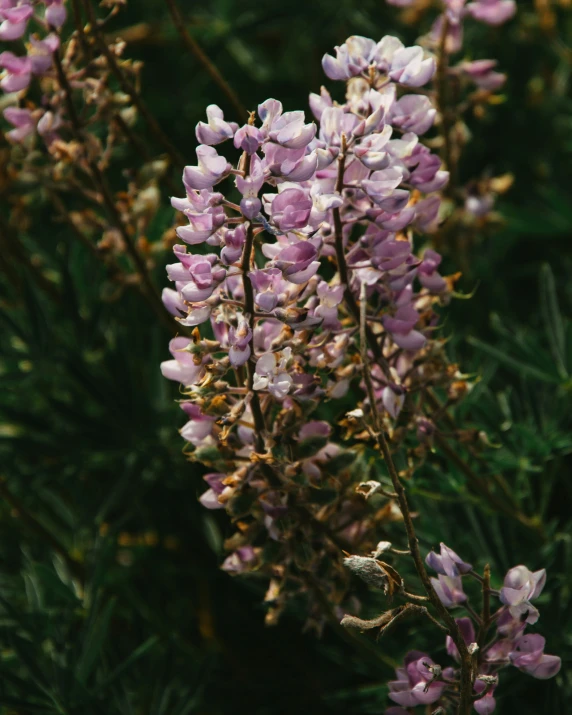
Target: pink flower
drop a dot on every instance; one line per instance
(449, 589)
(198, 429)
(18, 72)
(211, 169)
(22, 120)
(529, 657)
(14, 21)
(413, 685)
(55, 12)
(216, 130)
(519, 588)
(183, 368)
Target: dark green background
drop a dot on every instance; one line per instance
(88, 427)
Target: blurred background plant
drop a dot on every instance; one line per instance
(112, 600)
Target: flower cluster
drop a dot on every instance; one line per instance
(421, 681)
(68, 121)
(18, 70)
(322, 227)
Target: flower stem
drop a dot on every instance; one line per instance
(193, 46)
(466, 679)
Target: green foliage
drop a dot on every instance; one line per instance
(111, 600)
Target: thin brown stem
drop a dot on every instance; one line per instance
(486, 611)
(245, 264)
(147, 287)
(442, 98)
(349, 297)
(196, 50)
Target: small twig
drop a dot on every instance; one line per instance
(486, 612)
(257, 414)
(193, 46)
(365, 648)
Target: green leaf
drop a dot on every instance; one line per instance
(137, 654)
(94, 642)
(518, 366)
(552, 317)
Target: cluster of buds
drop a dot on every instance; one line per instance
(421, 681)
(276, 275)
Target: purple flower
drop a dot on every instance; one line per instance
(482, 73)
(199, 428)
(393, 398)
(319, 102)
(408, 67)
(467, 631)
(183, 368)
(18, 72)
(291, 209)
(413, 113)
(401, 328)
(413, 685)
(266, 283)
(382, 184)
(448, 563)
(233, 241)
(197, 313)
(298, 262)
(212, 168)
(216, 487)
(248, 138)
(41, 52)
(48, 125)
(529, 657)
(509, 625)
(55, 12)
(449, 589)
(240, 560)
(289, 130)
(427, 272)
(493, 12)
(14, 21)
(487, 704)
(173, 302)
(22, 120)
(427, 214)
(216, 130)
(271, 375)
(352, 58)
(330, 298)
(519, 588)
(239, 340)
